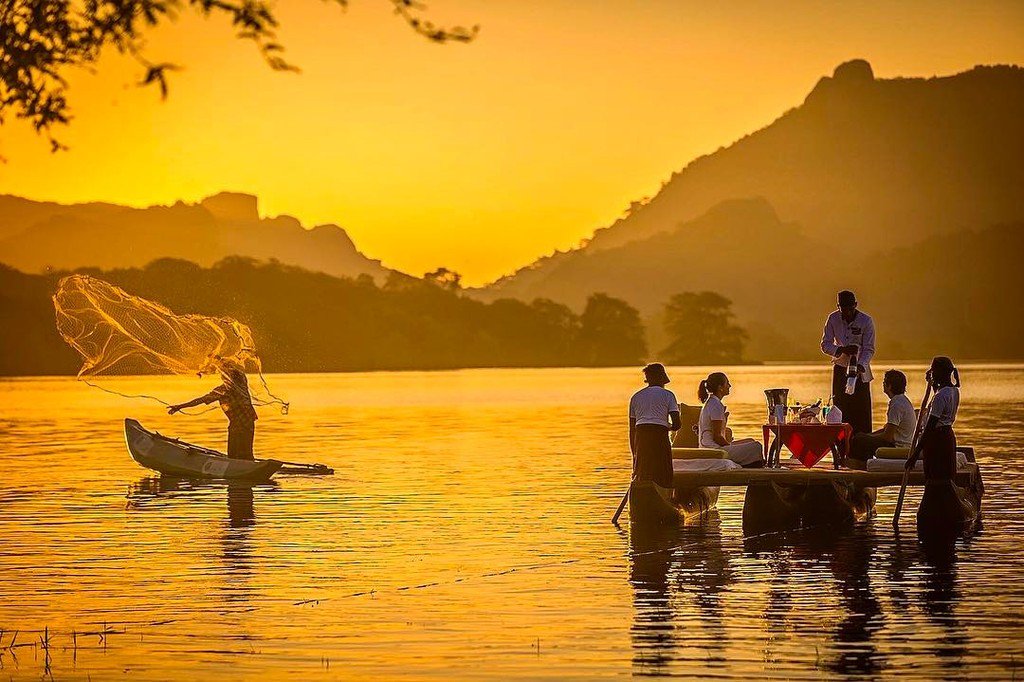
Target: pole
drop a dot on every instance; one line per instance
(921, 418)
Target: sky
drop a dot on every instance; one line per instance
(478, 157)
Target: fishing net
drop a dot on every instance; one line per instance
(120, 334)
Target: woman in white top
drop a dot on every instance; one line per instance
(714, 431)
(938, 442)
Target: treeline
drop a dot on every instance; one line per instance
(304, 321)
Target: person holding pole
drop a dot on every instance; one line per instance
(849, 339)
(653, 412)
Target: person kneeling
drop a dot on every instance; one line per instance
(713, 424)
(900, 421)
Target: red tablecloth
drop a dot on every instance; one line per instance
(810, 442)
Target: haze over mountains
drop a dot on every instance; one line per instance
(36, 235)
(909, 191)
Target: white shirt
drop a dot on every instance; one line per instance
(860, 332)
(652, 404)
(901, 415)
(945, 404)
(713, 410)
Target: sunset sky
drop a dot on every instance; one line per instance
(478, 157)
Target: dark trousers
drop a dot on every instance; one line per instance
(864, 445)
(939, 452)
(857, 407)
(240, 436)
(653, 454)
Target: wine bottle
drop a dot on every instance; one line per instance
(851, 375)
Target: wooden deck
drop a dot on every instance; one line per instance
(813, 476)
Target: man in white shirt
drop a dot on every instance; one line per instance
(900, 421)
(849, 337)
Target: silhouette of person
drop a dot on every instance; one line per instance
(234, 398)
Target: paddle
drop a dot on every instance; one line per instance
(622, 505)
(913, 445)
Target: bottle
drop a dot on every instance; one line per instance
(851, 375)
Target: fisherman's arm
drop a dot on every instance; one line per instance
(211, 397)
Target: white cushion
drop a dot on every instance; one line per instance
(898, 464)
(696, 465)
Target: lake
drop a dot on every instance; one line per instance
(466, 534)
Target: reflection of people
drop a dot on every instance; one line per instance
(900, 421)
(850, 335)
(234, 398)
(653, 411)
(938, 442)
(713, 428)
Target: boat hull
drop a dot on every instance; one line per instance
(649, 504)
(948, 511)
(771, 506)
(176, 458)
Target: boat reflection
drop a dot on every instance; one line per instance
(237, 550)
(672, 570)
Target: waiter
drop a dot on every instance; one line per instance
(849, 337)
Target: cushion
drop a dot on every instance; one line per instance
(698, 453)
(892, 453)
(699, 465)
(897, 464)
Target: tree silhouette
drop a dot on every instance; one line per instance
(41, 38)
(700, 326)
(611, 333)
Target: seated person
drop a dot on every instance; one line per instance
(713, 431)
(900, 421)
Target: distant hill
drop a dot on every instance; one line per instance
(857, 187)
(39, 235)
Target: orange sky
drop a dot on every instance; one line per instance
(477, 157)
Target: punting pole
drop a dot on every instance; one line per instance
(913, 446)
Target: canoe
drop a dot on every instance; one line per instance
(177, 458)
(652, 505)
(951, 509)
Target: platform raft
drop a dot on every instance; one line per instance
(793, 496)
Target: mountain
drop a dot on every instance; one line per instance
(35, 236)
(892, 161)
(866, 185)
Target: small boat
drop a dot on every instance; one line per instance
(652, 505)
(173, 457)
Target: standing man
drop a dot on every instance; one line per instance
(653, 412)
(849, 337)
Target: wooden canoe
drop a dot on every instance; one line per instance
(652, 505)
(177, 458)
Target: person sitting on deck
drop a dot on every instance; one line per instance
(234, 398)
(714, 431)
(900, 421)
(938, 442)
(653, 412)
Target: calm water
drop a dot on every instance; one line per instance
(466, 533)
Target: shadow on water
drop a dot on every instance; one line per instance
(671, 565)
(877, 578)
(237, 548)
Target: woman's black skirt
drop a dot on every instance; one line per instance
(939, 452)
(653, 454)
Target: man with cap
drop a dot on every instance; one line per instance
(849, 337)
(653, 412)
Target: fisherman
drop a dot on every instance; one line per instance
(849, 338)
(713, 425)
(234, 398)
(653, 412)
(900, 421)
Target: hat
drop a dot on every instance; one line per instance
(846, 298)
(655, 373)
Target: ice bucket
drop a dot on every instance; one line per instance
(775, 397)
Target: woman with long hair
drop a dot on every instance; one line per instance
(713, 426)
(938, 441)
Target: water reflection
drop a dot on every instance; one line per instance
(237, 550)
(672, 570)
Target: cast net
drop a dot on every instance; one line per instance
(117, 333)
